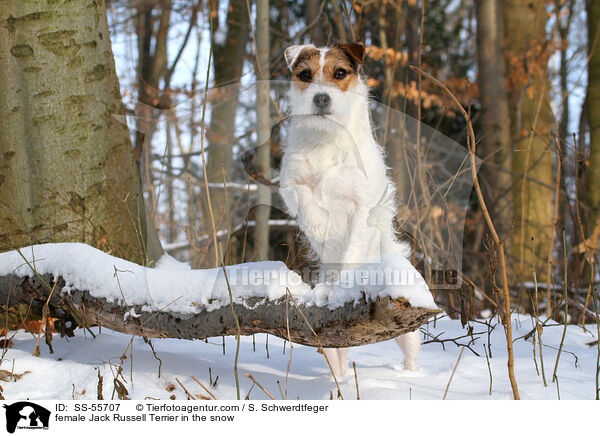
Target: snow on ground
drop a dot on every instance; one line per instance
(72, 372)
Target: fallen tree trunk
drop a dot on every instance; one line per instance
(349, 325)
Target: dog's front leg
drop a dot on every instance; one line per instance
(302, 203)
(363, 239)
(360, 239)
(290, 199)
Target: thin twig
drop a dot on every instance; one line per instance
(487, 358)
(149, 342)
(596, 302)
(356, 380)
(538, 327)
(45, 312)
(202, 134)
(566, 315)
(203, 387)
(237, 336)
(287, 321)
(259, 385)
(453, 371)
(190, 396)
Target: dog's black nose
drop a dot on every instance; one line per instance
(321, 100)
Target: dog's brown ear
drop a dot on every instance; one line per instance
(355, 50)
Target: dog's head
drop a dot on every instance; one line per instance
(326, 85)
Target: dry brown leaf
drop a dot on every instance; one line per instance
(11, 376)
(122, 392)
(6, 343)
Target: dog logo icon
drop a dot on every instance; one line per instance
(26, 415)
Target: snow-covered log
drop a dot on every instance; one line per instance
(348, 325)
(93, 288)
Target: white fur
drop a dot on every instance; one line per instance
(334, 180)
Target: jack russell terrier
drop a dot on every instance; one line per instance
(333, 176)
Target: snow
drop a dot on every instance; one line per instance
(74, 366)
(76, 362)
(175, 287)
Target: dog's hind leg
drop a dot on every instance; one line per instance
(410, 344)
(337, 360)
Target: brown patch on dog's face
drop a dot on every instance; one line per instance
(340, 68)
(306, 67)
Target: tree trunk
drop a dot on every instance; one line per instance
(531, 119)
(563, 33)
(263, 130)
(412, 35)
(228, 62)
(389, 28)
(313, 19)
(67, 171)
(151, 67)
(495, 135)
(349, 325)
(591, 196)
(339, 20)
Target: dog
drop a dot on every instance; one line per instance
(333, 178)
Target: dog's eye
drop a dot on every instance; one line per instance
(340, 73)
(304, 75)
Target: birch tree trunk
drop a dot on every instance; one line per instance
(67, 171)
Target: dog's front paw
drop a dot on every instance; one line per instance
(410, 365)
(380, 217)
(346, 184)
(382, 214)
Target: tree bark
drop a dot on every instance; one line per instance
(313, 19)
(591, 195)
(263, 129)
(346, 326)
(412, 35)
(67, 171)
(531, 120)
(495, 136)
(151, 67)
(229, 56)
(338, 21)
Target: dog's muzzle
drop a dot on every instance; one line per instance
(322, 102)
